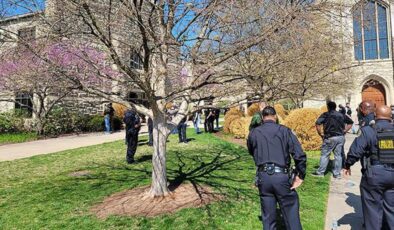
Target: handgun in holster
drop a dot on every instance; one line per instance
(292, 174)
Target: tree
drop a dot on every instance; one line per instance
(38, 70)
(307, 60)
(175, 51)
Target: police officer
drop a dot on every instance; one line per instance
(133, 125)
(271, 146)
(367, 110)
(376, 146)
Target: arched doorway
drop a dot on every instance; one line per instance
(374, 91)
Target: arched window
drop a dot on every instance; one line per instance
(370, 31)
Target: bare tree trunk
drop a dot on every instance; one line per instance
(159, 175)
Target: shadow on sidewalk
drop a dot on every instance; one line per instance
(354, 219)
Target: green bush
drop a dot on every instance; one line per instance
(13, 121)
(96, 123)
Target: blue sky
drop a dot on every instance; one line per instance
(17, 7)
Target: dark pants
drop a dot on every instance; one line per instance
(206, 125)
(275, 189)
(377, 197)
(132, 143)
(217, 122)
(150, 142)
(210, 125)
(182, 132)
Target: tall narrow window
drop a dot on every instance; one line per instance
(370, 31)
(136, 61)
(23, 101)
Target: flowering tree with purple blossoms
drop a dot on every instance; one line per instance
(39, 72)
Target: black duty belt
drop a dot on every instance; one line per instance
(376, 162)
(271, 168)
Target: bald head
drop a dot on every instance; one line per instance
(367, 107)
(383, 112)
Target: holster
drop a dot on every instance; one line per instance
(292, 175)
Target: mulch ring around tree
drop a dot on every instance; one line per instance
(137, 202)
(230, 139)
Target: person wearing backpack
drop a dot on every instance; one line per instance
(335, 125)
(375, 148)
(133, 125)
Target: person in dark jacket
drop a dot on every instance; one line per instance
(335, 125)
(133, 125)
(272, 147)
(217, 116)
(375, 148)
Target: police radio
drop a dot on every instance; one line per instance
(385, 140)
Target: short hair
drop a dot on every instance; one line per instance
(331, 105)
(268, 111)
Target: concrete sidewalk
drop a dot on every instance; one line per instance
(344, 204)
(52, 145)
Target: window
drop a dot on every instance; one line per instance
(136, 61)
(27, 34)
(23, 102)
(370, 31)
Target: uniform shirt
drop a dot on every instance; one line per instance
(366, 143)
(333, 123)
(367, 119)
(273, 143)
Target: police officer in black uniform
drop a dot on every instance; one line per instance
(367, 109)
(376, 146)
(133, 125)
(272, 147)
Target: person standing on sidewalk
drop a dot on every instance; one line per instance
(109, 112)
(335, 125)
(272, 147)
(375, 146)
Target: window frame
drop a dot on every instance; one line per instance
(24, 101)
(360, 9)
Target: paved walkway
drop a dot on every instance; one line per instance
(344, 205)
(52, 145)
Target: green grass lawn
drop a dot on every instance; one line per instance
(9, 138)
(39, 193)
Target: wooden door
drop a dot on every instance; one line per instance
(375, 92)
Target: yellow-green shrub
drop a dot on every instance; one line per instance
(302, 122)
(236, 128)
(119, 110)
(245, 125)
(234, 111)
(280, 110)
(323, 109)
(254, 108)
(227, 122)
(230, 116)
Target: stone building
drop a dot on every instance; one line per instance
(370, 28)
(56, 19)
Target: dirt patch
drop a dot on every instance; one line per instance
(80, 173)
(231, 139)
(136, 202)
